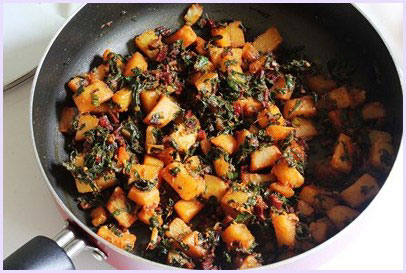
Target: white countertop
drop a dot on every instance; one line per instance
(30, 211)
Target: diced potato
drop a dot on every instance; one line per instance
(179, 259)
(303, 208)
(297, 151)
(103, 108)
(206, 84)
(153, 161)
(163, 113)
(249, 106)
(215, 186)
(249, 262)
(184, 137)
(264, 158)
(144, 198)
(136, 61)
(236, 33)
(285, 228)
(147, 213)
(186, 34)
(324, 201)
(240, 137)
(381, 154)
(365, 188)
(177, 229)
(150, 138)
(341, 216)
(109, 55)
(77, 82)
(123, 98)
(193, 14)
(270, 115)
(222, 167)
(256, 178)
(232, 61)
(92, 96)
(193, 164)
(256, 65)
(268, 41)
(358, 97)
(304, 127)
(215, 55)
(234, 202)
(339, 98)
(119, 207)
(285, 190)
(124, 240)
(320, 84)
(225, 40)
(85, 124)
(188, 209)
(99, 216)
(226, 142)
(308, 194)
(240, 234)
(144, 41)
(99, 72)
(67, 117)
(321, 229)
(106, 180)
(205, 146)
(303, 106)
(181, 181)
(201, 46)
(278, 132)
(249, 52)
(373, 110)
(149, 99)
(168, 155)
(343, 154)
(287, 175)
(122, 156)
(144, 172)
(193, 245)
(282, 89)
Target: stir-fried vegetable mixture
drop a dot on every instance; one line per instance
(235, 154)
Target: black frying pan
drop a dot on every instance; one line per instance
(326, 30)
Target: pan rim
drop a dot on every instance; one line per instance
(164, 266)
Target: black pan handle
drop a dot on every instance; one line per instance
(39, 253)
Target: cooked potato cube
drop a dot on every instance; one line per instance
(256, 178)
(201, 46)
(339, 98)
(257, 65)
(285, 190)
(373, 110)
(249, 52)
(99, 216)
(238, 233)
(144, 41)
(303, 106)
(231, 61)
(270, 115)
(284, 87)
(120, 208)
(67, 117)
(147, 213)
(182, 182)
(144, 172)
(304, 128)
(85, 124)
(193, 14)
(149, 99)
(214, 187)
(123, 98)
(341, 216)
(215, 55)
(124, 240)
(308, 194)
(122, 156)
(77, 82)
(206, 84)
(249, 262)
(226, 142)
(343, 154)
(104, 181)
(193, 165)
(365, 188)
(285, 228)
(222, 32)
(153, 161)
(303, 208)
(321, 229)
(241, 136)
(188, 209)
(144, 197)
(92, 96)
(177, 229)
(287, 175)
(193, 245)
(222, 167)
(381, 154)
(235, 30)
(358, 97)
(268, 41)
(235, 202)
(278, 132)
(249, 106)
(320, 84)
(186, 34)
(168, 155)
(136, 61)
(164, 112)
(184, 137)
(264, 158)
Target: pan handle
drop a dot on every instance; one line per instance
(45, 253)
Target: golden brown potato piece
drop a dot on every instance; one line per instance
(164, 112)
(193, 14)
(305, 128)
(319, 83)
(67, 117)
(114, 235)
(177, 229)
(303, 106)
(285, 190)
(188, 209)
(145, 40)
(358, 97)
(249, 52)
(226, 142)
(119, 207)
(343, 154)
(381, 154)
(144, 197)
(284, 87)
(365, 188)
(234, 202)
(321, 229)
(232, 35)
(278, 132)
(268, 41)
(287, 175)
(99, 216)
(264, 158)
(270, 115)
(85, 124)
(123, 98)
(341, 216)
(285, 229)
(240, 234)
(215, 186)
(91, 96)
(186, 34)
(149, 99)
(339, 98)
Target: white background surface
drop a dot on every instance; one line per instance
(375, 241)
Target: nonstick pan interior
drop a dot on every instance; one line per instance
(326, 31)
